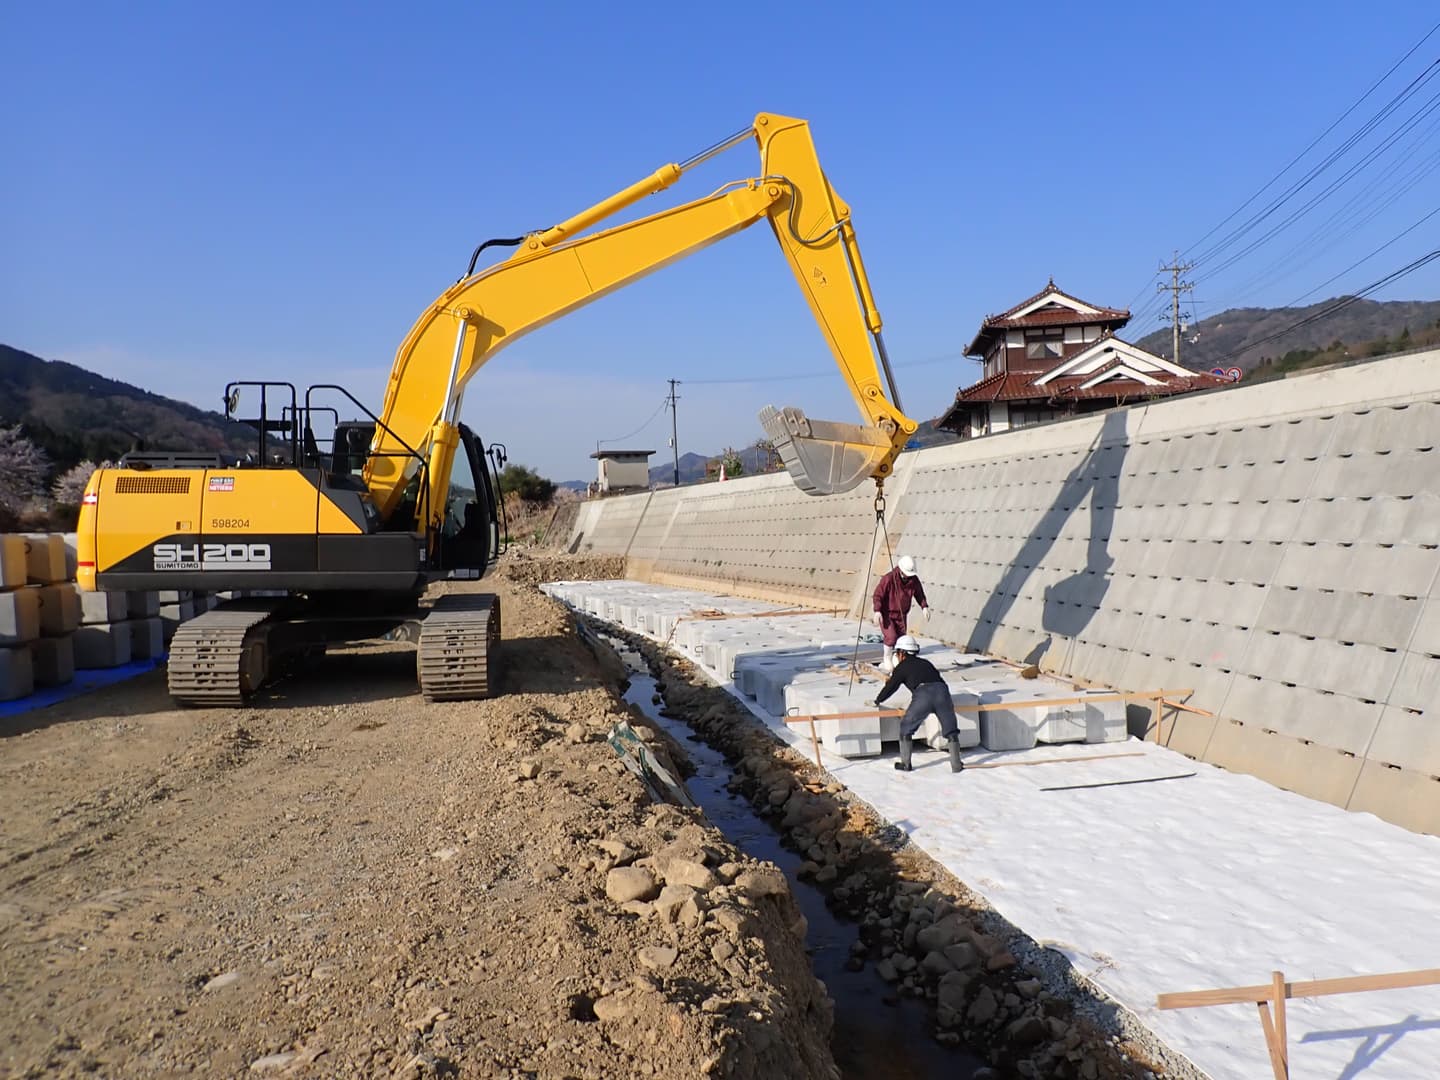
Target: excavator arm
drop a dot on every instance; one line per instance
(559, 270)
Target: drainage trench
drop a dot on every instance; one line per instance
(878, 1032)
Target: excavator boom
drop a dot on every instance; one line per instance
(563, 268)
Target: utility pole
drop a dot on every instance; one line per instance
(674, 436)
(1175, 288)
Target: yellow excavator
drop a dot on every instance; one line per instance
(335, 540)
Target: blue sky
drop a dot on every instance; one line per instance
(194, 193)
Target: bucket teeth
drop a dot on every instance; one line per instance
(824, 457)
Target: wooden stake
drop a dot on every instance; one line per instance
(1277, 1060)
(1277, 990)
(814, 736)
(1351, 984)
(1278, 981)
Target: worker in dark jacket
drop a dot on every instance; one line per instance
(893, 596)
(929, 696)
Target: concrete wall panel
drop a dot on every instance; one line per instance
(1272, 546)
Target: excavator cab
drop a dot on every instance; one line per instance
(470, 530)
(468, 539)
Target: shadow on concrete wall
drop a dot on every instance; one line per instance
(1070, 603)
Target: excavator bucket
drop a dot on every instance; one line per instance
(824, 458)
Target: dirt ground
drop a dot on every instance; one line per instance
(341, 880)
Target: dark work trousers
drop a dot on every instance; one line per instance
(925, 700)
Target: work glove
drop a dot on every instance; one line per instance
(925, 614)
(875, 618)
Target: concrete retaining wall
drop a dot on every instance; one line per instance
(1273, 547)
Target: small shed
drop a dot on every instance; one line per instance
(622, 470)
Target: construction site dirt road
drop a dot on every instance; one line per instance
(339, 880)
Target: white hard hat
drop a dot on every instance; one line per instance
(907, 644)
(906, 565)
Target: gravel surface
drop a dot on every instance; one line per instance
(340, 880)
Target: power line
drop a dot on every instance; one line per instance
(1366, 259)
(1345, 222)
(1316, 141)
(1315, 171)
(1147, 312)
(663, 402)
(1374, 286)
(830, 374)
(1430, 106)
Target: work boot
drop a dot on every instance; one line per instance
(888, 664)
(955, 763)
(907, 746)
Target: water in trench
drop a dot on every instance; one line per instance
(871, 1038)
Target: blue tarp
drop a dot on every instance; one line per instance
(83, 683)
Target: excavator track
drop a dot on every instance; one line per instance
(220, 657)
(459, 644)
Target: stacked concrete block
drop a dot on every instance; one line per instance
(103, 638)
(19, 617)
(53, 660)
(147, 638)
(142, 603)
(102, 645)
(45, 562)
(53, 653)
(17, 673)
(19, 620)
(176, 606)
(72, 554)
(60, 608)
(12, 561)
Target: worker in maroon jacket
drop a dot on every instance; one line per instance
(929, 696)
(893, 596)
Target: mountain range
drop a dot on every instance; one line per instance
(76, 415)
(1243, 337)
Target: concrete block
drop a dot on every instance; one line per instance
(1309, 769)
(12, 561)
(1006, 729)
(19, 616)
(102, 645)
(1417, 686)
(1408, 738)
(72, 554)
(1405, 797)
(103, 607)
(172, 615)
(53, 660)
(1329, 719)
(142, 603)
(44, 558)
(174, 596)
(17, 673)
(1185, 733)
(147, 638)
(849, 738)
(59, 608)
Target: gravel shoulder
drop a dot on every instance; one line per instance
(341, 880)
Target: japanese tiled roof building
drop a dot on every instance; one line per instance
(1053, 356)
